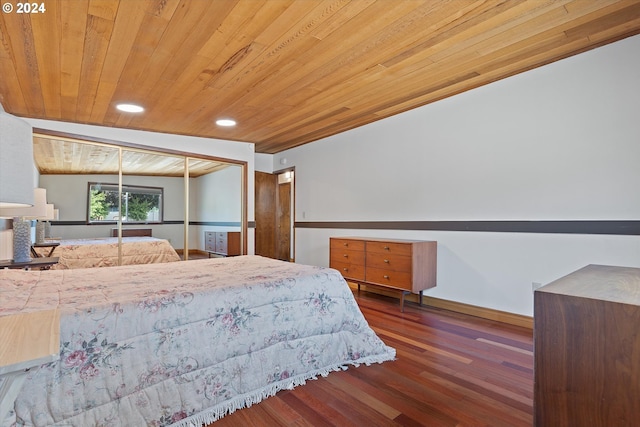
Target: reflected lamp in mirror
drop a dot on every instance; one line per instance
(47, 225)
(16, 162)
(22, 223)
(41, 225)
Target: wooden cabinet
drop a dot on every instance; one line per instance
(225, 243)
(404, 265)
(587, 349)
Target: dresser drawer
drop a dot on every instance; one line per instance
(349, 271)
(221, 242)
(347, 256)
(389, 247)
(356, 245)
(388, 261)
(209, 241)
(385, 277)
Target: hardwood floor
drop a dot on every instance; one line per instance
(451, 370)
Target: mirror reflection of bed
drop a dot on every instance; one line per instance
(109, 252)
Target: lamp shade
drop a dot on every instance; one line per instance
(16, 161)
(51, 212)
(38, 210)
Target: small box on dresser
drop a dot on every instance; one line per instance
(403, 265)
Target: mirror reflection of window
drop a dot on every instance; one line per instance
(139, 204)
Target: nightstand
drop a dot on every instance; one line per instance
(29, 340)
(41, 263)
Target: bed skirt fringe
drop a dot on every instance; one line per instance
(213, 414)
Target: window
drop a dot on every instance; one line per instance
(139, 204)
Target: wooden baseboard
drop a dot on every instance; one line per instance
(472, 310)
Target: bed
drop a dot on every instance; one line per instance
(103, 252)
(180, 344)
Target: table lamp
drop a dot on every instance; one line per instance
(47, 224)
(41, 225)
(17, 177)
(16, 162)
(22, 223)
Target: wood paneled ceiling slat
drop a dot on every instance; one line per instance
(72, 42)
(96, 44)
(18, 42)
(289, 71)
(130, 15)
(49, 82)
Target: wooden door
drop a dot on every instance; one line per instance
(265, 212)
(283, 221)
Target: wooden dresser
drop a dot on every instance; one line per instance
(403, 265)
(587, 349)
(225, 243)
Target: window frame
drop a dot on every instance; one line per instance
(126, 189)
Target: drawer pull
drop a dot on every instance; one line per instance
(345, 269)
(385, 276)
(386, 248)
(346, 255)
(346, 244)
(386, 261)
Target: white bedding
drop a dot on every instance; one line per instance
(184, 342)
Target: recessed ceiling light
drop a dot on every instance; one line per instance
(130, 108)
(226, 122)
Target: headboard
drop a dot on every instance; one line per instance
(131, 232)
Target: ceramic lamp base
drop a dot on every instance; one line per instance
(40, 231)
(21, 240)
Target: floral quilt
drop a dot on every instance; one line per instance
(184, 343)
(103, 252)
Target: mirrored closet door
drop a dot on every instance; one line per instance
(108, 190)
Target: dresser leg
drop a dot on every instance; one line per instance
(420, 298)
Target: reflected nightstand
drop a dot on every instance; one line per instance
(41, 263)
(51, 245)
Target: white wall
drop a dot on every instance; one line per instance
(264, 162)
(561, 142)
(215, 197)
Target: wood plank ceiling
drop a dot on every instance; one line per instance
(58, 155)
(289, 71)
